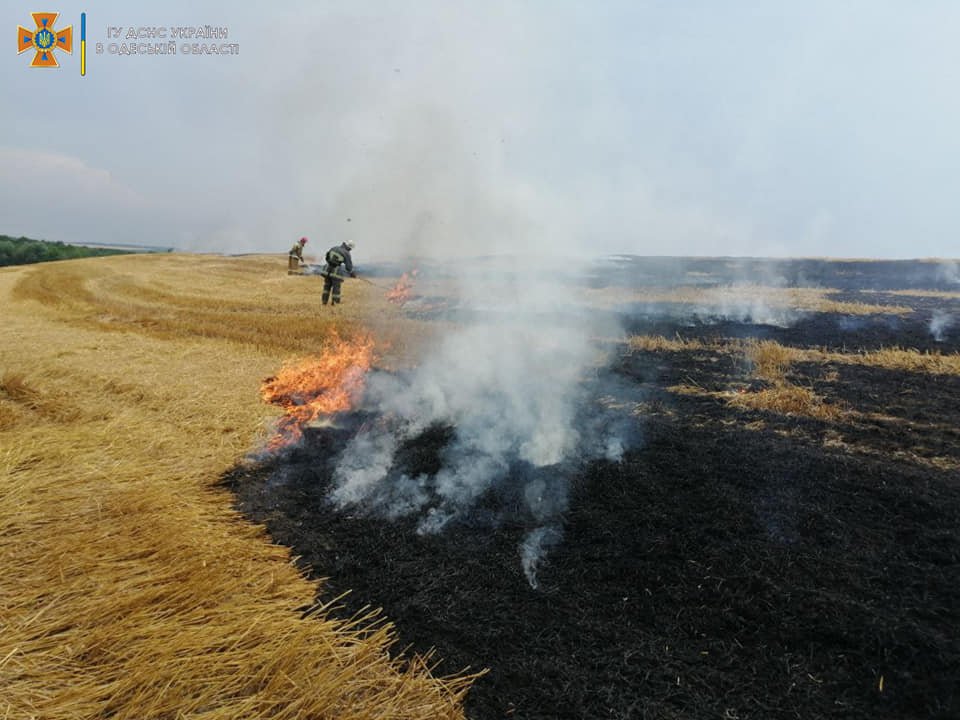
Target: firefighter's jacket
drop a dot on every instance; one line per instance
(339, 257)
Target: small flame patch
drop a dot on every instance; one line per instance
(317, 386)
(402, 291)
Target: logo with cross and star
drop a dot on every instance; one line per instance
(45, 40)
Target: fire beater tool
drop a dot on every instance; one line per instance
(311, 268)
(373, 283)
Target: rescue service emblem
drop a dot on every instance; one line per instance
(45, 40)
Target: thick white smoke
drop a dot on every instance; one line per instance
(516, 390)
(753, 307)
(510, 391)
(438, 171)
(750, 296)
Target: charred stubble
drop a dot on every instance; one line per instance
(738, 563)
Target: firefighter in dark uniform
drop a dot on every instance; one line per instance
(339, 265)
(296, 256)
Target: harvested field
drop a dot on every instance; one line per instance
(780, 541)
(777, 539)
(130, 588)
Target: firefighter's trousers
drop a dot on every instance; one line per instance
(331, 289)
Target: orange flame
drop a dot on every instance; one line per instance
(402, 290)
(315, 386)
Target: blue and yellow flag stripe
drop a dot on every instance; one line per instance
(83, 43)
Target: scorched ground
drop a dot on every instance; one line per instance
(737, 563)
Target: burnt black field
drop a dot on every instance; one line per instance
(734, 563)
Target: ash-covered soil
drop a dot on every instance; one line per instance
(734, 564)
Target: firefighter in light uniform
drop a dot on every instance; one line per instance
(339, 262)
(296, 256)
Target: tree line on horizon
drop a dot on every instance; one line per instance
(24, 251)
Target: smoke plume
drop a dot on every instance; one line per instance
(516, 398)
(939, 324)
(949, 272)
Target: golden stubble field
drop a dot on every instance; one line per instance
(130, 587)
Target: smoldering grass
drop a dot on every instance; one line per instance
(517, 395)
(939, 324)
(949, 272)
(510, 393)
(535, 547)
(133, 588)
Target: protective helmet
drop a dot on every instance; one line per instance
(303, 241)
(349, 244)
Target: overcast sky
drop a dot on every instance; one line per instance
(446, 126)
